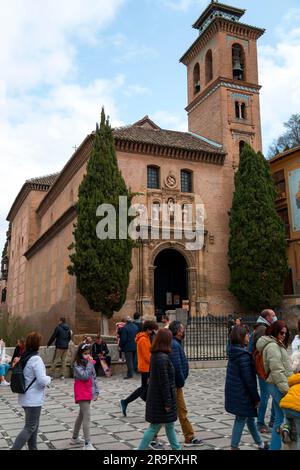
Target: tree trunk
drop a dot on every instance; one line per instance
(104, 325)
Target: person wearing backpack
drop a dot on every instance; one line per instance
(277, 365)
(241, 395)
(266, 318)
(35, 380)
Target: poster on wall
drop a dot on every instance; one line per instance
(177, 300)
(294, 185)
(169, 298)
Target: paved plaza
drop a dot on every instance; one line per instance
(204, 392)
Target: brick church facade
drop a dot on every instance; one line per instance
(162, 165)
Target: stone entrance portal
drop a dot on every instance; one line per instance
(170, 280)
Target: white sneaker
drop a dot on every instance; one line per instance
(4, 383)
(89, 446)
(77, 441)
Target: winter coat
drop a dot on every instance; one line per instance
(85, 385)
(100, 349)
(161, 390)
(179, 362)
(296, 344)
(62, 336)
(276, 362)
(241, 385)
(35, 395)
(291, 400)
(127, 337)
(143, 351)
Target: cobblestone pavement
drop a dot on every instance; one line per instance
(204, 393)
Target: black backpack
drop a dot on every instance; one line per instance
(17, 381)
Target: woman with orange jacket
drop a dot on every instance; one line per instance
(143, 344)
(290, 403)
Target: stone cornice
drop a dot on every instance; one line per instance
(25, 190)
(123, 145)
(219, 82)
(57, 227)
(220, 24)
(73, 165)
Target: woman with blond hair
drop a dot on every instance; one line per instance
(32, 400)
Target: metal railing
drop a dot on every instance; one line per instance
(206, 338)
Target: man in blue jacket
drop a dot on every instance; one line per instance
(62, 336)
(181, 367)
(127, 344)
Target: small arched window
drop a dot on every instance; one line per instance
(238, 62)
(186, 181)
(196, 79)
(208, 66)
(153, 177)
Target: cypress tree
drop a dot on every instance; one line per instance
(102, 267)
(257, 246)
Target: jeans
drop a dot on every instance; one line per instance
(238, 428)
(279, 417)
(139, 391)
(264, 398)
(4, 369)
(153, 431)
(129, 362)
(84, 418)
(295, 415)
(30, 431)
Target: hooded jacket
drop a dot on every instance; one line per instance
(143, 351)
(62, 336)
(179, 362)
(276, 362)
(291, 400)
(241, 393)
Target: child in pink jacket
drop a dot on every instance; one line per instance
(85, 390)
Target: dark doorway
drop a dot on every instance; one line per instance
(170, 281)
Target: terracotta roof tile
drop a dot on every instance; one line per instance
(47, 180)
(166, 138)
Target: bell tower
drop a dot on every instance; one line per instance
(222, 77)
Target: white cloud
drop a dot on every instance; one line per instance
(280, 76)
(44, 110)
(184, 5)
(168, 120)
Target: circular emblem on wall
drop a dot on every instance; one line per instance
(171, 181)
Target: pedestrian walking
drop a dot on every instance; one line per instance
(290, 403)
(85, 390)
(277, 365)
(181, 366)
(296, 340)
(32, 400)
(62, 338)
(100, 354)
(4, 364)
(128, 345)
(137, 321)
(119, 326)
(143, 356)
(241, 395)
(161, 397)
(266, 318)
(165, 320)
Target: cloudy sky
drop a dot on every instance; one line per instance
(61, 60)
